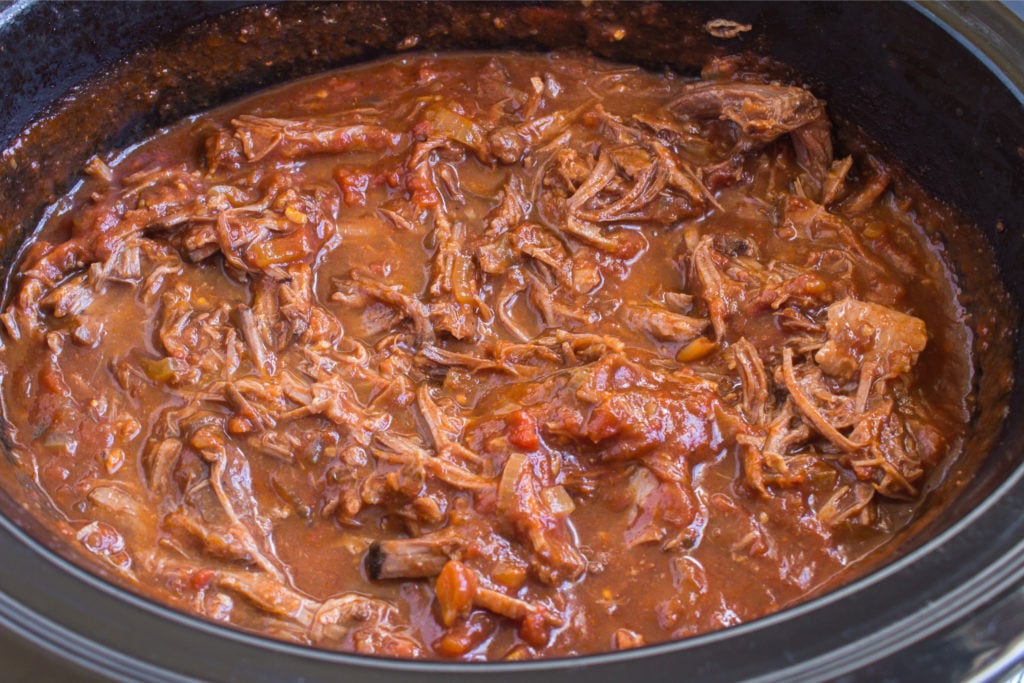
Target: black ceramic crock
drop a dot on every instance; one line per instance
(938, 85)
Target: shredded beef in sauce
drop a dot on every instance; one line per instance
(486, 357)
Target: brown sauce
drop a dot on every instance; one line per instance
(513, 357)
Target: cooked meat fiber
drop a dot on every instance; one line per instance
(518, 357)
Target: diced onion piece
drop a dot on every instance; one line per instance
(456, 126)
(295, 215)
(509, 479)
(874, 229)
(113, 459)
(558, 500)
(814, 285)
(53, 438)
(461, 274)
(162, 370)
(519, 653)
(699, 348)
(625, 639)
(642, 483)
(293, 247)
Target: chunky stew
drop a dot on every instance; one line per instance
(488, 357)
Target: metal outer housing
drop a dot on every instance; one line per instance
(939, 85)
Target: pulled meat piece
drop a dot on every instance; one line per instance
(665, 324)
(372, 626)
(410, 558)
(763, 112)
(754, 379)
(289, 139)
(547, 532)
(876, 340)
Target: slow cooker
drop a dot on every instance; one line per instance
(940, 86)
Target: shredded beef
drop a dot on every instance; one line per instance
(486, 357)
